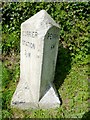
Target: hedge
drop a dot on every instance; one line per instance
(73, 18)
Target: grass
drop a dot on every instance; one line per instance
(0, 90)
(71, 81)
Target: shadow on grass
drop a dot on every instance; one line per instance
(63, 66)
(86, 116)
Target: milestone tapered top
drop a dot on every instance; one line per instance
(41, 17)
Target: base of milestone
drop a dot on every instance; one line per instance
(23, 100)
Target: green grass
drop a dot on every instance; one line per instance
(73, 92)
(0, 90)
(72, 87)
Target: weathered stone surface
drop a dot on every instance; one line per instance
(39, 47)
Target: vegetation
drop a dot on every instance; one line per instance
(72, 75)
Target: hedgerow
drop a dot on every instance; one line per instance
(72, 17)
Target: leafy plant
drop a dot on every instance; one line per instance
(72, 17)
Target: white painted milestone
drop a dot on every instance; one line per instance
(39, 48)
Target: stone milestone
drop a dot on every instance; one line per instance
(39, 48)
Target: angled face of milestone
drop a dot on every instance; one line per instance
(39, 47)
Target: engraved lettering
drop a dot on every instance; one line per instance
(27, 54)
(50, 36)
(31, 45)
(32, 34)
(52, 46)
